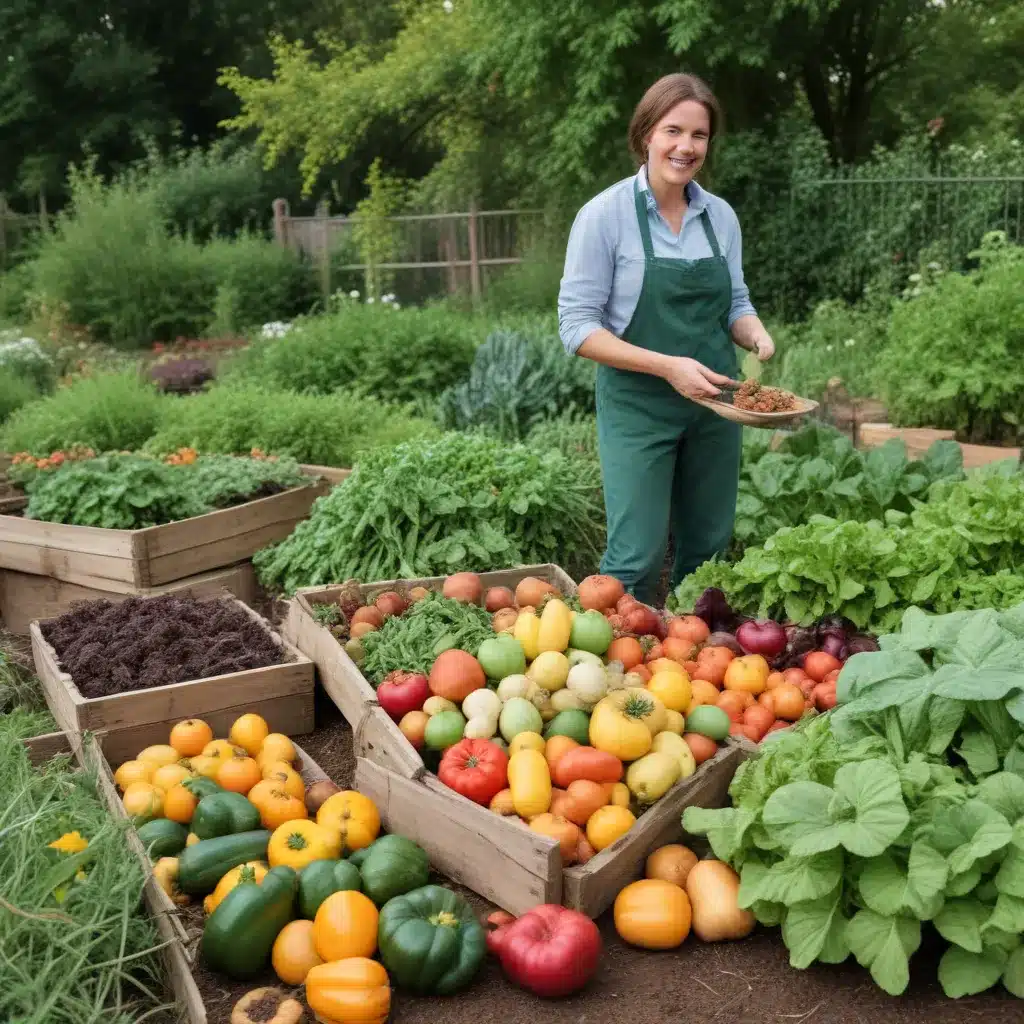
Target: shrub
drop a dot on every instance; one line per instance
(327, 430)
(399, 354)
(107, 412)
(25, 357)
(955, 352)
(516, 382)
(572, 435)
(15, 392)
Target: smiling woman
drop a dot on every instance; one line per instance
(653, 291)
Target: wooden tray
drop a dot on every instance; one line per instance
(748, 418)
(376, 735)
(25, 596)
(128, 561)
(131, 721)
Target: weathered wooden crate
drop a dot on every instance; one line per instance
(516, 868)
(47, 745)
(25, 597)
(128, 561)
(377, 736)
(181, 948)
(130, 721)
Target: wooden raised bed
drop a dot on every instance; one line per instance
(25, 597)
(516, 868)
(46, 745)
(131, 721)
(181, 951)
(376, 735)
(919, 439)
(127, 561)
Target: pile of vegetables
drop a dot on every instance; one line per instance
(299, 879)
(901, 811)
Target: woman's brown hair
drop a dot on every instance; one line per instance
(659, 99)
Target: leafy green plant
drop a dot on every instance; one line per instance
(395, 354)
(116, 492)
(15, 392)
(107, 412)
(955, 352)
(905, 805)
(817, 470)
(572, 435)
(940, 557)
(326, 430)
(220, 481)
(516, 382)
(462, 502)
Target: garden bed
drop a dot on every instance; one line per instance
(919, 439)
(132, 720)
(127, 561)
(25, 597)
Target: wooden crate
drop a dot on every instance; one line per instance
(505, 863)
(25, 597)
(591, 888)
(46, 745)
(130, 721)
(377, 736)
(515, 868)
(127, 561)
(181, 950)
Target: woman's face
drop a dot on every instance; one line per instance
(678, 145)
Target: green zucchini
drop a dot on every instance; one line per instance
(200, 786)
(223, 814)
(320, 878)
(202, 865)
(162, 838)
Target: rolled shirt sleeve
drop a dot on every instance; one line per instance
(733, 251)
(587, 277)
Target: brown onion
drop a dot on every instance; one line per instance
(503, 619)
(498, 598)
(463, 586)
(600, 592)
(417, 594)
(318, 793)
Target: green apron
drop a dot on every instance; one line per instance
(666, 461)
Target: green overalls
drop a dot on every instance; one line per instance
(664, 459)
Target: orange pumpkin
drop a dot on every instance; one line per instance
(249, 732)
(350, 991)
(189, 738)
(276, 806)
(653, 914)
(351, 816)
(345, 925)
(294, 953)
(239, 774)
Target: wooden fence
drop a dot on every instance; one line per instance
(15, 228)
(461, 247)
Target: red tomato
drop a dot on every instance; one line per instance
(748, 731)
(776, 726)
(818, 664)
(733, 704)
(478, 769)
(551, 951)
(759, 719)
(402, 692)
(794, 675)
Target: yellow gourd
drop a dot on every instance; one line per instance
(530, 782)
(651, 777)
(555, 627)
(550, 670)
(527, 632)
(625, 722)
(677, 747)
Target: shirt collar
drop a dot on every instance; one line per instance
(696, 197)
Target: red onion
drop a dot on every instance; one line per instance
(724, 640)
(835, 646)
(762, 637)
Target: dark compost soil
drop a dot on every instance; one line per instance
(140, 643)
(748, 982)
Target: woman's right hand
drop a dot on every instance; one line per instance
(694, 380)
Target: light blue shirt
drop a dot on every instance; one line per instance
(604, 258)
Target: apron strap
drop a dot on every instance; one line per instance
(641, 217)
(709, 232)
(640, 202)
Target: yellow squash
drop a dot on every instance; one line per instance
(527, 632)
(298, 843)
(555, 626)
(351, 991)
(677, 747)
(625, 722)
(651, 777)
(550, 670)
(530, 781)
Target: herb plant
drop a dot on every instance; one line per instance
(462, 502)
(904, 805)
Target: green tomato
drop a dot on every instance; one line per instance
(572, 723)
(444, 729)
(591, 632)
(502, 656)
(708, 721)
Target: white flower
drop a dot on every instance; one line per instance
(369, 300)
(447, 6)
(914, 277)
(354, 294)
(828, 348)
(850, 342)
